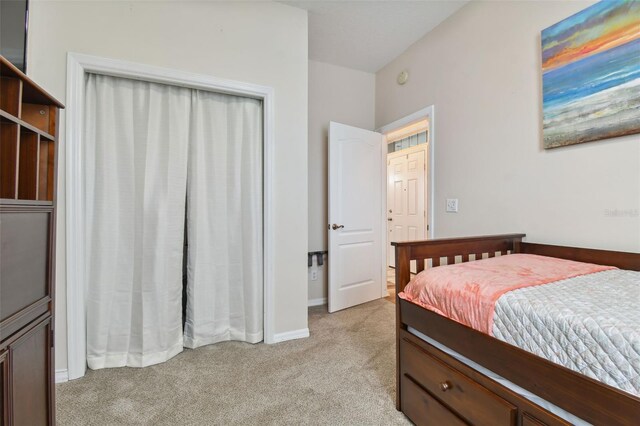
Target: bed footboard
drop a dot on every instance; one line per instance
(431, 253)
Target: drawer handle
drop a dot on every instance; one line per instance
(445, 386)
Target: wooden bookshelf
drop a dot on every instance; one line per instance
(28, 123)
(28, 158)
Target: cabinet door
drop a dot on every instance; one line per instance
(4, 387)
(31, 377)
(25, 287)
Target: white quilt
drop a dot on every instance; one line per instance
(589, 324)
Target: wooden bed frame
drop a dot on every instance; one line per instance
(435, 388)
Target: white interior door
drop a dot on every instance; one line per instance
(406, 212)
(396, 200)
(356, 244)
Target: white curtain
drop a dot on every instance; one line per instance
(141, 141)
(224, 225)
(136, 145)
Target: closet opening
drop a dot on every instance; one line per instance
(220, 182)
(152, 150)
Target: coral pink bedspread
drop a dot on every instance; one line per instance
(467, 292)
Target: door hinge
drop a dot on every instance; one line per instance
(53, 338)
(427, 227)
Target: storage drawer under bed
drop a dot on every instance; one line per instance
(459, 394)
(420, 406)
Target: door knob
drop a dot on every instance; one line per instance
(335, 226)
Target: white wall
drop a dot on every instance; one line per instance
(261, 43)
(335, 94)
(481, 70)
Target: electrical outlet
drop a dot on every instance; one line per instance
(314, 274)
(452, 205)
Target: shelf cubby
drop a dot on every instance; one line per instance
(11, 95)
(42, 117)
(46, 168)
(28, 165)
(8, 158)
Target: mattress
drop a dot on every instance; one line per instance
(467, 292)
(588, 323)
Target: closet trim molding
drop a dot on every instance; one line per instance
(77, 66)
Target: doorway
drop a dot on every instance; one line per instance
(406, 192)
(409, 185)
(358, 211)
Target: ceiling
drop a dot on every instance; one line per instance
(367, 35)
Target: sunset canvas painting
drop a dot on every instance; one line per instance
(591, 74)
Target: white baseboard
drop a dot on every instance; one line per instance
(291, 335)
(317, 302)
(62, 376)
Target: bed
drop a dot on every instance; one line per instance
(450, 373)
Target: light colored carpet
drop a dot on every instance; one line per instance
(344, 374)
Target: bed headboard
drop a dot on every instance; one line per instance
(619, 259)
(430, 253)
(455, 250)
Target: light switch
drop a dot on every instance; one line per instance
(452, 205)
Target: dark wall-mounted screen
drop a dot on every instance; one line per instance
(13, 31)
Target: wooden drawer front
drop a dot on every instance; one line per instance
(542, 418)
(529, 420)
(470, 400)
(31, 377)
(423, 409)
(24, 250)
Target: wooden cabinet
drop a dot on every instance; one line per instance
(28, 154)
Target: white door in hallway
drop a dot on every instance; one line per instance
(406, 213)
(356, 246)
